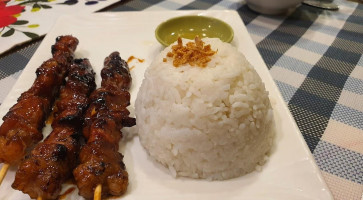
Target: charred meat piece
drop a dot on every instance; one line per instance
(22, 126)
(64, 48)
(100, 161)
(52, 161)
(74, 97)
(101, 164)
(116, 73)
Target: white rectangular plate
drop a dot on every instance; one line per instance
(290, 173)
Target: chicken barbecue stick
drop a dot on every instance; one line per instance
(22, 126)
(100, 161)
(52, 161)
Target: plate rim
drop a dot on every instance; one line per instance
(277, 92)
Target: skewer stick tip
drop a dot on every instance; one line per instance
(3, 172)
(98, 191)
(39, 198)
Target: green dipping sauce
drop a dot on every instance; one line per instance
(191, 26)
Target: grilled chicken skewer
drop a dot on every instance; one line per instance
(101, 163)
(22, 126)
(52, 161)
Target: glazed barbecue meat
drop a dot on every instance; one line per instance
(100, 161)
(22, 126)
(52, 161)
(116, 73)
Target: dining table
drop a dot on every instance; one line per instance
(313, 55)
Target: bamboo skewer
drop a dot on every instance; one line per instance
(98, 191)
(39, 198)
(3, 172)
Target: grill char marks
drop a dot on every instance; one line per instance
(116, 73)
(100, 161)
(22, 125)
(51, 162)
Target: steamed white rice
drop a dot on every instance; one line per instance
(214, 122)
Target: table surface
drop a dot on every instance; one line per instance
(315, 58)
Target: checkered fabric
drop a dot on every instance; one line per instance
(315, 58)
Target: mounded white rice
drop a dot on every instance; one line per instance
(214, 122)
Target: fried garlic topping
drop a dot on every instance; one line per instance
(193, 53)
